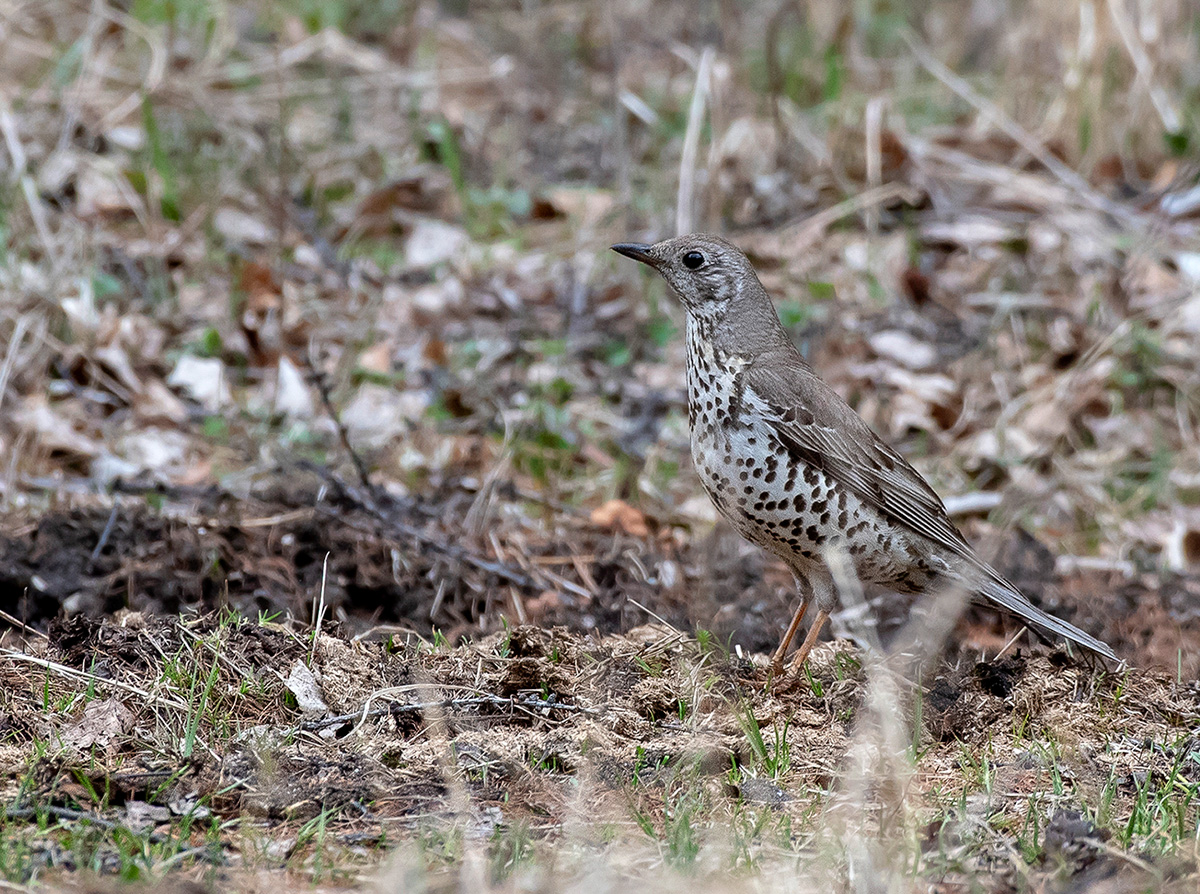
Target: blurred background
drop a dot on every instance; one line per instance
(224, 225)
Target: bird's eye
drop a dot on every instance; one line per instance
(693, 260)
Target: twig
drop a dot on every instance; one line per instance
(37, 209)
(583, 592)
(813, 226)
(873, 127)
(320, 382)
(850, 591)
(393, 526)
(371, 506)
(1118, 854)
(456, 553)
(1008, 645)
(533, 704)
(1144, 67)
(279, 518)
(686, 201)
(1019, 135)
(18, 623)
(150, 76)
(477, 512)
(65, 671)
(62, 813)
(620, 131)
(67, 813)
(319, 610)
(518, 605)
(72, 102)
(10, 355)
(104, 535)
(658, 618)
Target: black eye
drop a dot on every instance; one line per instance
(693, 260)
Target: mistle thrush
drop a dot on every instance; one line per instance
(793, 467)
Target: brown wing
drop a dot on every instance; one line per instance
(811, 420)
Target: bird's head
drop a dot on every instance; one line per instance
(707, 273)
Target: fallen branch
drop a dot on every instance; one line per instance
(499, 701)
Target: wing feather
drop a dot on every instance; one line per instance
(810, 419)
(837, 441)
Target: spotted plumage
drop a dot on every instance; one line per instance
(792, 466)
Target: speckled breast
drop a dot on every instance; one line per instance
(787, 506)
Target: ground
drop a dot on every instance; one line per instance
(348, 534)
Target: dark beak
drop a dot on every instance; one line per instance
(639, 251)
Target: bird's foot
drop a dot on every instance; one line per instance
(783, 677)
(791, 680)
(775, 675)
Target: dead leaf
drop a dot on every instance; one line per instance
(698, 508)
(1046, 422)
(302, 683)
(900, 347)
(102, 191)
(292, 395)
(619, 515)
(239, 228)
(969, 232)
(157, 403)
(163, 451)
(377, 359)
(203, 380)
(196, 473)
(262, 316)
(1181, 203)
(539, 606)
(54, 426)
(589, 207)
(103, 724)
(393, 208)
(115, 361)
(434, 352)
(748, 149)
(431, 302)
(379, 413)
(129, 137)
(57, 172)
(1007, 447)
(434, 242)
(924, 401)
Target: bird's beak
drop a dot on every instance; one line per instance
(639, 251)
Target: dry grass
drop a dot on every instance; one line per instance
(538, 757)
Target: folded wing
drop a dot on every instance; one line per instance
(822, 430)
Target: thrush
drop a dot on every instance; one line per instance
(794, 468)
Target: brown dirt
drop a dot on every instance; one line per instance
(538, 726)
(591, 711)
(404, 567)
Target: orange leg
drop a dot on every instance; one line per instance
(811, 640)
(777, 659)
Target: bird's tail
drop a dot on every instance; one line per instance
(1001, 592)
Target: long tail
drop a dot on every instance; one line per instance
(1000, 591)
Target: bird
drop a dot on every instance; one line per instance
(794, 468)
